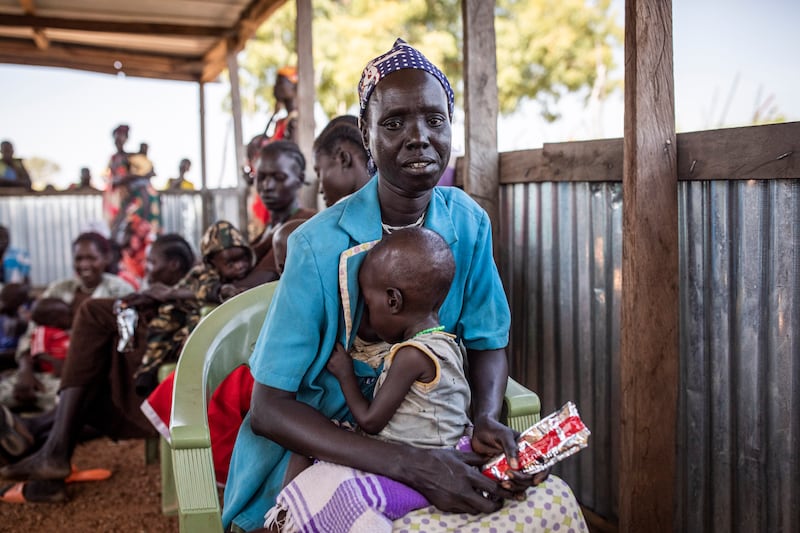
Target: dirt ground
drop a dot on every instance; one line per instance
(130, 501)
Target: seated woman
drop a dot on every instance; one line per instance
(279, 175)
(96, 384)
(33, 390)
(406, 106)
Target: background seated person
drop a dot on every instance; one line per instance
(340, 159)
(96, 382)
(12, 171)
(28, 389)
(227, 258)
(279, 174)
(231, 399)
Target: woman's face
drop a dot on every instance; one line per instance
(334, 182)
(277, 180)
(159, 269)
(89, 263)
(408, 130)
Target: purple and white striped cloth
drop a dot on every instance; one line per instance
(332, 498)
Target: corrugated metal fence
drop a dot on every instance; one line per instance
(46, 224)
(560, 253)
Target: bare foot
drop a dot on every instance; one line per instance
(37, 466)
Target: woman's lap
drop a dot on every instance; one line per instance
(550, 506)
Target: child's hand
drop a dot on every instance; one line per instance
(340, 363)
(228, 290)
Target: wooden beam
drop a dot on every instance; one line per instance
(481, 160)
(305, 99)
(109, 26)
(20, 52)
(649, 321)
(754, 152)
(770, 151)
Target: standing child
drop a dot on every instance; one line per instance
(227, 259)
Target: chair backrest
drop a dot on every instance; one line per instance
(221, 342)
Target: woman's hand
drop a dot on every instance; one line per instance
(491, 438)
(451, 480)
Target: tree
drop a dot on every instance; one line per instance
(545, 48)
(40, 170)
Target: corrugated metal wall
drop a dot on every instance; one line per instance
(560, 256)
(739, 404)
(47, 224)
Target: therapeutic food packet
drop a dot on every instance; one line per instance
(127, 317)
(544, 444)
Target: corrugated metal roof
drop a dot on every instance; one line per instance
(166, 39)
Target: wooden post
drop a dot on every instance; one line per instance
(649, 341)
(236, 110)
(306, 96)
(481, 160)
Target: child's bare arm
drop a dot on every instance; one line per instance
(409, 365)
(340, 364)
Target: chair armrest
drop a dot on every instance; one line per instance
(521, 406)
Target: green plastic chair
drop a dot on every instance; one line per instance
(221, 342)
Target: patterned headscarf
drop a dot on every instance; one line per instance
(401, 56)
(223, 235)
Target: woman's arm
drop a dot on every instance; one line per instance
(447, 478)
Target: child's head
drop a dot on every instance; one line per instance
(169, 259)
(279, 174)
(12, 297)
(405, 279)
(279, 240)
(225, 249)
(53, 312)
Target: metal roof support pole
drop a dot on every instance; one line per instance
(205, 195)
(236, 110)
(649, 346)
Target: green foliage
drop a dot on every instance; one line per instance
(40, 169)
(545, 48)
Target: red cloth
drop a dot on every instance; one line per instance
(49, 340)
(226, 410)
(260, 210)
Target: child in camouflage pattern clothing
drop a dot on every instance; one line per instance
(227, 258)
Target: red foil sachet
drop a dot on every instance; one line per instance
(545, 443)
